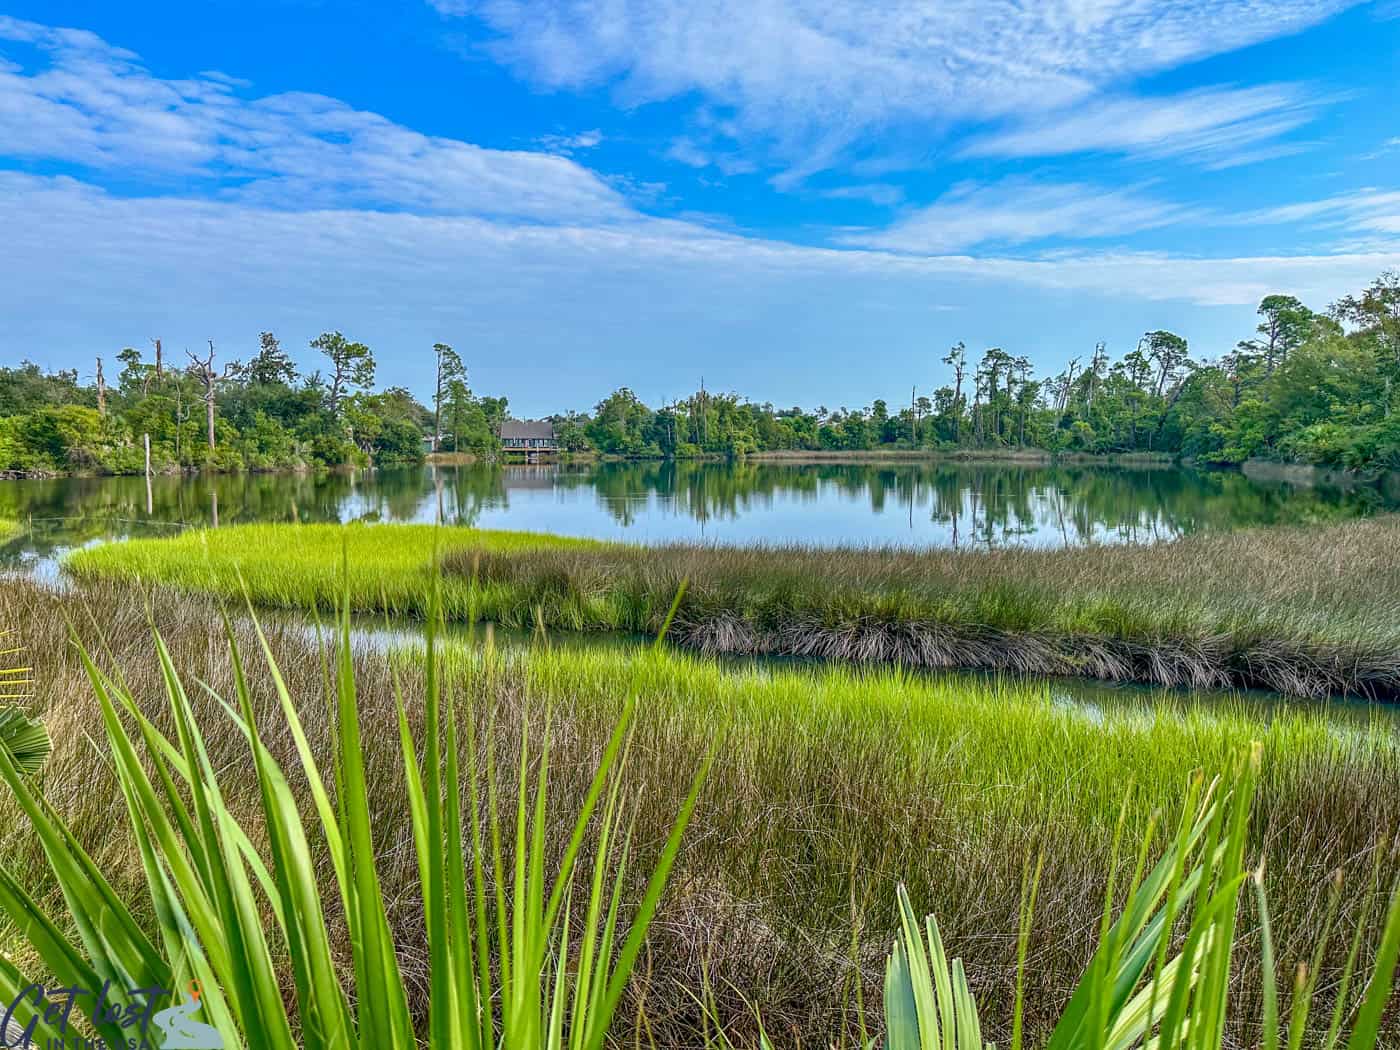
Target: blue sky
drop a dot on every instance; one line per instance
(805, 201)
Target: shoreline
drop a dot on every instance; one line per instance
(1288, 472)
(1008, 457)
(184, 472)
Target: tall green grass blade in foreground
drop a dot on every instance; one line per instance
(536, 965)
(1153, 982)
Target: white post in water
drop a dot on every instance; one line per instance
(150, 503)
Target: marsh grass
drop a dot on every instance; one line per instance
(526, 958)
(1303, 611)
(1307, 611)
(835, 785)
(383, 567)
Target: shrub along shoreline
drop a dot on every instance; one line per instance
(1309, 611)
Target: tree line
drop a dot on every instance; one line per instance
(1314, 387)
(202, 413)
(1319, 387)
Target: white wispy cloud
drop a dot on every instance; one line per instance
(879, 193)
(74, 98)
(685, 150)
(559, 314)
(1361, 212)
(63, 226)
(1220, 126)
(814, 75)
(451, 8)
(575, 143)
(1018, 211)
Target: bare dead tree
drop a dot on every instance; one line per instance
(1067, 385)
(1096, 365)
(101, 390)
(160, 373)
(203, 369)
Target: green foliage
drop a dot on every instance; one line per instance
(271, 365)
(944, 782)
(538, 967)
(352, 365)
(266, 416)
(1309, 387)
(1162, 972)
(1260, 608)
(27, 387)
(22, 738)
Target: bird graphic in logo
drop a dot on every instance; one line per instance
(184, 1033)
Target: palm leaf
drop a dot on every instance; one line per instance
(26, 740)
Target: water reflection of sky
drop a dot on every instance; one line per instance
(913, 506)
(828, 515)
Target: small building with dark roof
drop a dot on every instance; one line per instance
(529, 436)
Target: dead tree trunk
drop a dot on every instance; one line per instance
(203, 368)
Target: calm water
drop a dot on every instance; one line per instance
(921, 504)
(909, 504)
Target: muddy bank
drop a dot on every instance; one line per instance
(1295, 669)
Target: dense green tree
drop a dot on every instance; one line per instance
(352, 366)
(449, 370)
(28, 387)
(1375, 313)
(271, 365)
(1286, 323)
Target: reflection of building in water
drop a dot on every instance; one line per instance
(535, 477)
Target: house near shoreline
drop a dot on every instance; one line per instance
(530, 437)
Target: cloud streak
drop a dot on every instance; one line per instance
(1021, 211)
(1367, 212)
(812, 76)
(1219, 127)
(82, 101)
(66, 227)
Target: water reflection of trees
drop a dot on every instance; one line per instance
(986, 504)
(974, 504)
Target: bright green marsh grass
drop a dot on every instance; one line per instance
(1308, 611)
(389, 567)
(838, 783)
(834, 785)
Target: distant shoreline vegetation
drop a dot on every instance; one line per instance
(1321, 389)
